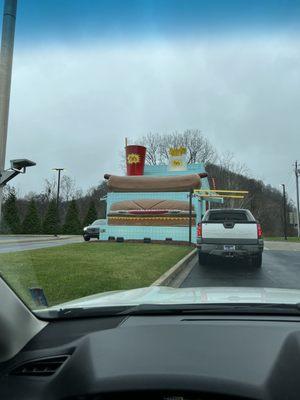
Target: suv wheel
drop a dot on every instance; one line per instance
(86, 238)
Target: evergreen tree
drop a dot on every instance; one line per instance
(11, 220)
(32, 222)
(72, 223)
(91, 214)
(51, 223)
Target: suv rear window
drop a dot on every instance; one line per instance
(227, 216)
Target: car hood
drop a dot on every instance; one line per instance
(199, 295)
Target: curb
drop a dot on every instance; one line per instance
(173, 273)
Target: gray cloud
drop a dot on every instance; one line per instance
(73, 106)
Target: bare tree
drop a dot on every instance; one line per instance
(68, 188)
(229, 175)
(78, 194)
(50, 188)
(152, 142)
(199, 149)
(226, 160)
(7, 189)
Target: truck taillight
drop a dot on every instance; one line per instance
(259, 231)
(199, 230)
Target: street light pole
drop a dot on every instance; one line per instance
(6, 58)
(58, 187)
(297, 171)
(284, 210)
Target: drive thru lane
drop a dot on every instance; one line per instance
(280, 269)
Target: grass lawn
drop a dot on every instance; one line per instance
(76, 270)
(281, 239)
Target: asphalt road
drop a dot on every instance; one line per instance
(21, 246)
(4, 238)
(280, 269)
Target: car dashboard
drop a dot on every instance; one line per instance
(158, 357)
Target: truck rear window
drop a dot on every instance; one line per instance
(227, 216)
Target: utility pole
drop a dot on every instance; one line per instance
(297, 171)
(58, 184)
(58, 188)
(6, 58)
(284, 211)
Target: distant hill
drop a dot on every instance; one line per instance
(264, 201)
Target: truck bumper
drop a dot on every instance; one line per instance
(91, 235)
(241, 249)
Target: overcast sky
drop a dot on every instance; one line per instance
(88, 73)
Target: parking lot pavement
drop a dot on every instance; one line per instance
(285, 246)
(280, 269)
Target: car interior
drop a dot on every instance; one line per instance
(184, 356)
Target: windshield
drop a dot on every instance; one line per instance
(96, 223)
(148, 153)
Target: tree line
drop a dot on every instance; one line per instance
(38, 213)
(34, 216)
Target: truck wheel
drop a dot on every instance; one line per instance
(257, 261)
(86, 238)
(202, 258)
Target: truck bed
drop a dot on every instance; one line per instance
(230, 233)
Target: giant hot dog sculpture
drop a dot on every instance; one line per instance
(183, 183)
(152, 212)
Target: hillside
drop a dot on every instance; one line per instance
(264, 201)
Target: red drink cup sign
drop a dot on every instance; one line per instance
(135, 159)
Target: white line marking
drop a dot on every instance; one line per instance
(266, 248)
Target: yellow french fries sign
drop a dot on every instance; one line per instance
(177, 159)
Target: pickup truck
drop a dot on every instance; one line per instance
(231, 233)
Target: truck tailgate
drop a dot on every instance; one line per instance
(229, 230)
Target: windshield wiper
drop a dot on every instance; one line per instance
(217, 308)
(174, 309)
(79, 312)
